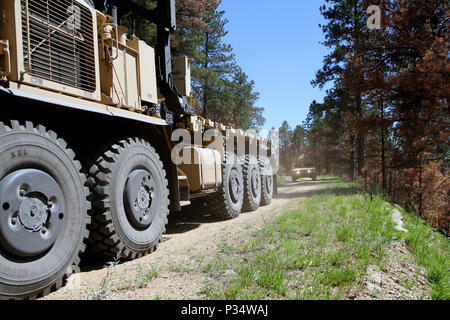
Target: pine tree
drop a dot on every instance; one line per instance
(214, 65)
(346, 19)
(400, 74)
(221, 89)
(242, 100)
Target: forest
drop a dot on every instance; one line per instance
(385, 119)
(222, 90)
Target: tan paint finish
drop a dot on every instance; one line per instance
(124, 79)
(205, 171)
(20, 70)
(146, 71)
(8, 31)
(181, 71)
(87, 105)
(119, 80)
(303, 172)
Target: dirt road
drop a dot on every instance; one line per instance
(190, 236)
(193, 240)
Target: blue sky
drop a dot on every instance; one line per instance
(277, 43)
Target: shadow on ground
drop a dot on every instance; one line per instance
(309, 194)
(190, 217)
(309, 183)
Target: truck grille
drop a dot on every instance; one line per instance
(58, 36)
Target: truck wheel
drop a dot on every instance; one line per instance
(43, 211)
(131, 200)
(266, 181)
(252, 183)
(227, 202)
(294, 179)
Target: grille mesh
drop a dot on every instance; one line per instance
(60, 41)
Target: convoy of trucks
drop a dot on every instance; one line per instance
(88, 157)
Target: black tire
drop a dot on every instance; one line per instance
(252, 183)
(294, 179)
(267, 182)
(314, 178)
(35, 150)
(224, 203)
(113, 230)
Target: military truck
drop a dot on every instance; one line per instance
(303, 168)
(298, 173)
(88, 124)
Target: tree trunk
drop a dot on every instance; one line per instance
(352, 159)
(359, 140)
(205, 84)
(383, 153)
(360, 136)
(420, 195)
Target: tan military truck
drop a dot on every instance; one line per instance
(298, 173)
(303, 168)
(87, 137)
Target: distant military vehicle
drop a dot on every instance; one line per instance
(303, 169)
(298, 173)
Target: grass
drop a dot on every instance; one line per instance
(339, 184)
(327, 177)
(432, 251)
(107, 283)
(281, 180)
(126, 280)
(140, 278)
(181, 266)
(316, 252)
(322, 251)
(429, 247)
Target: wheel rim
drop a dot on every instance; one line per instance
(31, 213)
(269, 184)
(255, 183)
(235, 186)
(140, 198)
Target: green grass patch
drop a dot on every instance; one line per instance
(432, 251)
(327, 177)
(281, 180)
(115, 281)
(339, 184)
(323, 249)
(316, 252)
